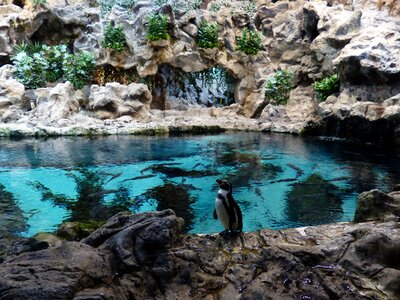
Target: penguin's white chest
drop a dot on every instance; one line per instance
(221, 210)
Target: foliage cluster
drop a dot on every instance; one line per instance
(278, 87)
(114, 38)
(157, 27)
(38, 2)
(326, 87)
(37, 64)
(107, 5)
(78, 69)
(250, 42)
(247, 6)
(178, 5)
(208, 35)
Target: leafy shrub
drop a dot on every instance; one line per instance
(107, 5)
(29, 48)
(36, 64)
(278, 87)
(39, 2)
(114, 38)
(326, 87)
(55, 57)
(208, 35)
(78, 68)
(157, 27)
(30, 69)
(250, 42)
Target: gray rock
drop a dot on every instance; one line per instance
(56, 103)
(377, 206)
(142, 256)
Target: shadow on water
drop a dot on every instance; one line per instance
(313, 201)
(12, 220)
(90, 203)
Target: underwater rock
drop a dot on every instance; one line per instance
(307, 195)
(247, 167)
(172, 172)
(12, 221)
(176, 197)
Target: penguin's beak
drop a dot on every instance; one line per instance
(219, 181)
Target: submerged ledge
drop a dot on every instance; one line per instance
(143, 256)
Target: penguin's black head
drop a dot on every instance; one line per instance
(224, 185)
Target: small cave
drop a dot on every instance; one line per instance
(310, 24)
(173, 88)
(108, 73)
(20, 3)
(53, 32)
(5, 60)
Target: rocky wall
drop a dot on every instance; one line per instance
(311, 38)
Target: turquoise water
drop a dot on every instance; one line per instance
(279, 181)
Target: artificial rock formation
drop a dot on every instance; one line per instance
(142, 257)
(311, 38)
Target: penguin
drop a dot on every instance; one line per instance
(227, 210)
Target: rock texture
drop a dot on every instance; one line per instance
(311, 38)
(143, 257)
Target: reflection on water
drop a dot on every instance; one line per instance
(279, 180)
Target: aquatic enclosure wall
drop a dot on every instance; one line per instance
(279, 181)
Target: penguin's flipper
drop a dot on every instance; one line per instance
(215, 214)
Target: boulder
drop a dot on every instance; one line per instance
(378, 206)
(115, 100)
(56, 103)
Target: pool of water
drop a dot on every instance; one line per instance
(279, 181)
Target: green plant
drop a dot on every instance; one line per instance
(278, 87)
(38, 2)
(208, 34)
(114, 38)
(55, 57)
(30, 69)
(157, 27)
(29, 48)
(78, 68)
(36, 64)
(250, 42)
(326, 86)
(107, 5)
